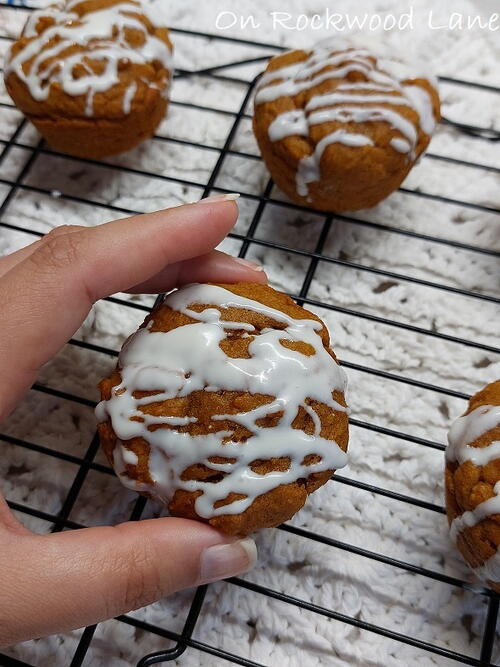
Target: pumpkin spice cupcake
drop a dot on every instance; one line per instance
(227, 405)
(93, 76)
(339, 128)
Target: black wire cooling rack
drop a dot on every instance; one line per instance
(61, 521)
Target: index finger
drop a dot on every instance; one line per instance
(46, 297)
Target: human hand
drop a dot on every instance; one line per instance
(57, 582)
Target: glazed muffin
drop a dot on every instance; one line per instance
(472, 480)
(340, 128)
(227, 405)
(93, 76)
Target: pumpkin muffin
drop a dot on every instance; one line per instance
(339, 128)
(472, 479)
(227, 405)
(93, 76)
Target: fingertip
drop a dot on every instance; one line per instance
(198, 553)
(257, 275)
(227, 560)
(213, 199)
(223, 206)
(219, 267)
(250, 547)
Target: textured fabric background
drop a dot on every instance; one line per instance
(239, 621)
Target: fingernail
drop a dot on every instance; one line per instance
(225, 560)
(229, 196)
(248, 264)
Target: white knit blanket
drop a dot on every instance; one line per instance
(234, 619)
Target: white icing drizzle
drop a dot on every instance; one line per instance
(128, 97)
(189, 358)
(321, 59)
(366, 85)
(473, 517)
(400, 145)
(464, 431)
(467, 429)
(348, 114)
(101, 34)
(347, 103)
(129, 457)
(421, 102)
(89, 103)
(340, 97)
(287, 124)
(292, 87)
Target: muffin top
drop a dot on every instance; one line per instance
(473, 482)
(307, 101)
(90, 58)
(233, 389)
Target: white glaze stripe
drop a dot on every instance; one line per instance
(465, 430)
(362, 114)
(329, 99)
(293, 87)
(421, 102)
(366, 85)
(473, 517)
(190, 358)
(288, 124)
(318, 62)
(96, 30)
(306, 68)
(128, 97)
(400, 145)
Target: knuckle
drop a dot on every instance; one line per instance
(60, 248)
(61, 230)
(141, 578)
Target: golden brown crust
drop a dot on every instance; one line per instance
(62, 118)
(269, 509)
(467, 485)
(351, 177)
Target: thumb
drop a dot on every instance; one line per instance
(54, 583)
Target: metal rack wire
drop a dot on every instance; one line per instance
(60, 520)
